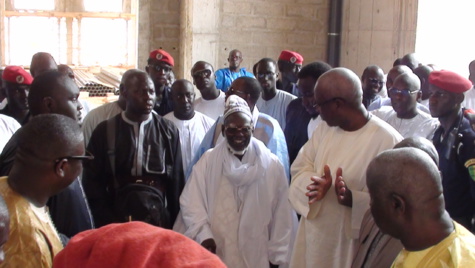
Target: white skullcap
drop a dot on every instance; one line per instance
(235, 104)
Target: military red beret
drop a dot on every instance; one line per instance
(17, 75)
(291, 56)
(450, 81)
(134, 244)
(162, 55)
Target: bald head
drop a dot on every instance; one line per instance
(406, 189)
(423, 73)
(372, 81)
(65, 69)
(395, 72)
(421, 144)
(410, 61)
(42, 62)
(248, 85)
(339, 83)
(183, 96)
(409, 81)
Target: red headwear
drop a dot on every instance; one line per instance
(134, 244)
(162, 55)
(291, 56)
(17, 75)
(450, 81)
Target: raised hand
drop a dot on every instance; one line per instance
(320, 186)
(343, 193)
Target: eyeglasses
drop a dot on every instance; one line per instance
(236, 130)
(403, 92)
(231, 90)
(265, 75)
(203, 74)
(321, 104)
(159, 68)
(438, 94)
(88, 156)
(376, 81)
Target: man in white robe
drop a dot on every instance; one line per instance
(211, 102)
(343, 146)
(272, 101)
(232, 204)
(191, 124)
(8, 126)
(403, 115)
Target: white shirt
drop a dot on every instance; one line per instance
(469, 100)
(8, 126)
(421, 125)
(211, 108)
(277, 106)
(192, 133)
(327, 230)
(96, 116)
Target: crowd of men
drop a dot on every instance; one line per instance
(292, 165)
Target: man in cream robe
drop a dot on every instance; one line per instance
(232, 204)
(346, 142)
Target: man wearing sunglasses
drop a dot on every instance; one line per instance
(55, 93)
(373, 82)
(17, 84)
(233, 203)
(48, 159)
(404, 115)
(159, 67)
(211, 102)
(454, 141)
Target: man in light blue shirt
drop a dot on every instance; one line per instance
(225, 76)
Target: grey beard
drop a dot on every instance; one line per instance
(240, 153)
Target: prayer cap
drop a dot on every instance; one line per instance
(17, 75)
(235, 104)
(450, 81)
(134, 244)
(291, 56)
(162, 55)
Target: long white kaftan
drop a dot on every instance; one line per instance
(192, 133)
(258, 185)
(277, 106)
(421, 125)
(327, 230)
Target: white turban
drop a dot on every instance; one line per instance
(236, 104)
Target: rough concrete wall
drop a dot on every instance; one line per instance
(159, 27)
(264, 28)
(377, 32)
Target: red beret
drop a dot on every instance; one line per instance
(134, 244)
(291, 56)
(162, 55)
(450, 81)
(17, 75)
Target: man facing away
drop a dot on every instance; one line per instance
(211, 102)
(407, 202)
(339, 148)
(232, 203)
(272, 101)
(48, 159)
(191, 124)
(136, 146)
(225, 76)
(403, 114)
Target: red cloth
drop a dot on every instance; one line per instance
(134, 244)
(17, 75)
(450, 81)
(162, 55)
(291, 56)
